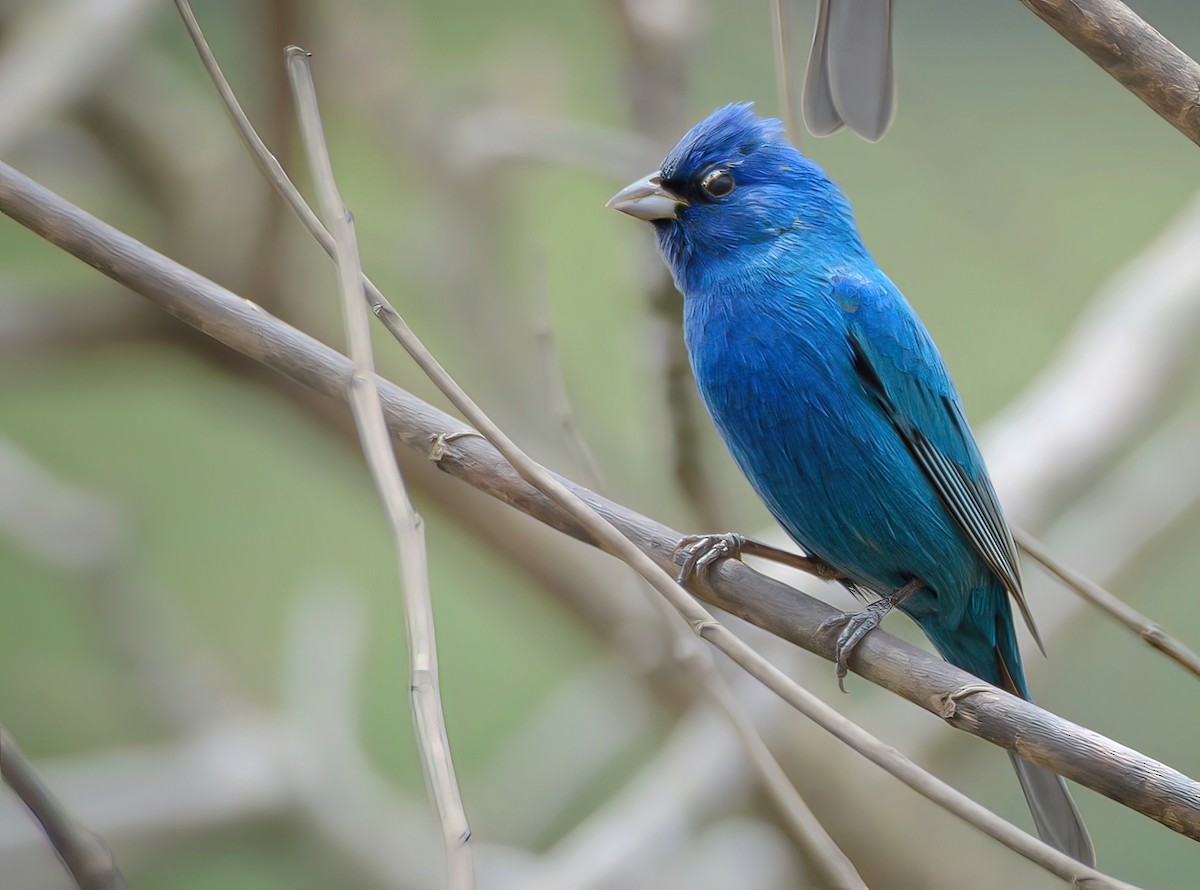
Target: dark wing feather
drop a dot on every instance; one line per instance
(898, 364)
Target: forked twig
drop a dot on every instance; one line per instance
(433, 744)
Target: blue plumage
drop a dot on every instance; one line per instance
(834, 401)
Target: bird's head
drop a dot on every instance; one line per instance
(734, 190)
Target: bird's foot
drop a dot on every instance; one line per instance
(856, 625)
(701, 552)
(853, 627)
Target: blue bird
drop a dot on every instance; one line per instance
(835, 403)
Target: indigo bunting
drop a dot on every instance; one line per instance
(849, 77)
(835, 403)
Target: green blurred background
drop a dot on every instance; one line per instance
(1016, 179)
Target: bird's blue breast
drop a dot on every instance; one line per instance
(774, 366)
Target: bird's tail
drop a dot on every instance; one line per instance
(994, 657)
(1054, 812)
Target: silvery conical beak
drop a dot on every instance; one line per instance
(647, 199)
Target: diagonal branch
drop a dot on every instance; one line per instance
(1119, 772)
(1142, 60)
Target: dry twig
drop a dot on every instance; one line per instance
(1093, 593)
(407, 528)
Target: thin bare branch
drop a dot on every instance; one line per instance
(85, 856)
(1149, 631)
(433, 743)
(809, 834)
(1150, 787)
(1141, 59)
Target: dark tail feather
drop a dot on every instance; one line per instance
(1054, 813)
(1058, 821)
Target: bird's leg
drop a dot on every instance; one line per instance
(856, 625)
(701, 552)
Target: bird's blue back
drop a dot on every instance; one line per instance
(831, 395)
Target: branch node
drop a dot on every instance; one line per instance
(1153, 634)
(948, 703)
(440, 442)
(704, 626)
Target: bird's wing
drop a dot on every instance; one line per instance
(901, 369)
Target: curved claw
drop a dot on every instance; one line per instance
(854, 626)
(702, 552)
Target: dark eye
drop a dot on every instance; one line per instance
(718, 184)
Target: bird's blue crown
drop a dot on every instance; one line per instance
(771, 192)
(725, 136)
